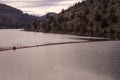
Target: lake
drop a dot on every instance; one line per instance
(79, 61)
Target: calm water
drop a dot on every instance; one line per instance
(81, 61)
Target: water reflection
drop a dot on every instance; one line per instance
(82, 61)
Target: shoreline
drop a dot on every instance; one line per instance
(52, 44)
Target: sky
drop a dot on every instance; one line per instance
(40, 7)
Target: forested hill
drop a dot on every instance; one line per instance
(11, 17)
(88, 18)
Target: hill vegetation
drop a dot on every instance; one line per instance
(13, 18)
(100, 18)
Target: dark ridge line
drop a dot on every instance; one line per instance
(51, 44)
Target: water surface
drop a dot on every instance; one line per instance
(81, 61)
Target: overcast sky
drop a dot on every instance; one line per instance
(40, 7)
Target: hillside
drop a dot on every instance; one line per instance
(100, 18)
(13, 18)
(49, 14)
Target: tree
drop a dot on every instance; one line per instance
(104, 34)
(112, 31)
(84, 28)
(60, 19)
(87, 11)
(113, 18)
(97, 31)
(104, 23)
(91, 31)
(55, 23)
(97, 16)
(47, 16)
(35, 24)
(77, 28)
(73, 16)
(63, 11)
(91, 1)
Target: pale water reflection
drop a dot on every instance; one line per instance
(13, 37)
(83, 61)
